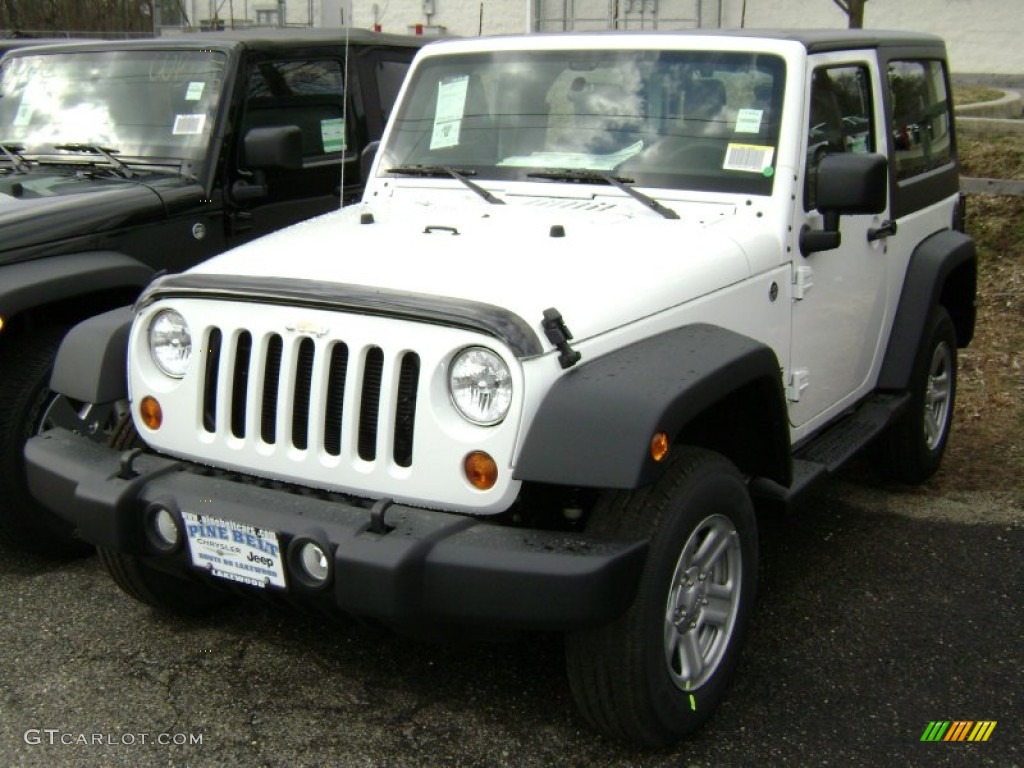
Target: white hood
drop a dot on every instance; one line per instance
(610, 267)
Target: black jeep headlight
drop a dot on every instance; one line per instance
(170, 342)
(480, 386)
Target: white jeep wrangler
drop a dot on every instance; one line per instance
(604, 297)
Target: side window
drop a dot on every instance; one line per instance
(840, 118)
(309, 94)
(920, 117)
(390, 76)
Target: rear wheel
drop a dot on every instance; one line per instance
(136, 578)
(911, 449)
(27, 407)
(658, 672)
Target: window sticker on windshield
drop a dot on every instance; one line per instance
(24, 114)
(451, 107)
(751, 158)
(188, 125)
(332, 133)
(748, 120)
(195, 90)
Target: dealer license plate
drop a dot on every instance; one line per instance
(234, 551)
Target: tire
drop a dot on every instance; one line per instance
(911, 449)
(27, 406)
(139, 580)
(163, 591)
(658, 672)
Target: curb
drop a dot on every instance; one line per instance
(992, 186)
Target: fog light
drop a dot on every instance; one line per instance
(151, 413)
(481, 470)
(314, 562)
(162, 528)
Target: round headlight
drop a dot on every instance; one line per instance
(481, 386)
(170, 343)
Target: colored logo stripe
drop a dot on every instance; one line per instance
(935, 730)
(958, 730)
(982, 730)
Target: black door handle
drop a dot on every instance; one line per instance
(886, 229)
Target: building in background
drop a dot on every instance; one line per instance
(983, 36)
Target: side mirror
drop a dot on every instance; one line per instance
(845, 185)
(276, 147)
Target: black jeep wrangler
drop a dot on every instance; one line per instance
(119, 159)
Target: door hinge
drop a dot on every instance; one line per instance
(799, 379)
(803, 281)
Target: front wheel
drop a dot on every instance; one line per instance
(658, 671)
(911, 449)
(27, 407)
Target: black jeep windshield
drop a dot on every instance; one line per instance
(145, 105)
(706, 120)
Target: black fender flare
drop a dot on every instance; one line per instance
(28, 284)
(595, 425)
(92, 361)
(925, 285)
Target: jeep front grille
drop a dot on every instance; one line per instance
(278, 403)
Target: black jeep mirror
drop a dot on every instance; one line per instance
(845, 184)
(852, 184)
(276, 147)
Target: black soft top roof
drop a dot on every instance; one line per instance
(820, 40)
(257, 38)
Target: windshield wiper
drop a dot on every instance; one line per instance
(443, 170)
(619, 182)
(11, 153)
(106, 152)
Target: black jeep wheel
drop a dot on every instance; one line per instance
(163, 591)
(911, 449)
(658, 672)
(27, 407)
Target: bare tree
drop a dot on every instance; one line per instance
(129, 17)
(854, 10)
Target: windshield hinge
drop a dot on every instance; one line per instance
(559, 335)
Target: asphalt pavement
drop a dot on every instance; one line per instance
(880, 611)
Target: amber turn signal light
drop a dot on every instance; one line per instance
(659, 446)
(481, 470)
(151, 412)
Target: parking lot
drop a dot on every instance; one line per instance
(880, 611)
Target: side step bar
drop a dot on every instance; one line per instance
(826, 453)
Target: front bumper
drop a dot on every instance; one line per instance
(420, 567)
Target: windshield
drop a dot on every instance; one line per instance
(142, 104)
(672, 119)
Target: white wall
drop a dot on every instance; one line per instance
(458, 17)
(982, 36)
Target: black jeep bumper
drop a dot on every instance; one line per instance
(407, 566)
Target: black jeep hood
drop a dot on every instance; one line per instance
(48, 205)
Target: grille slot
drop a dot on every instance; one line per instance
(271, 381)
(369, 407)
(405, 409)
(335, 400)
(300, 399)
(210, 381)
(240, 383)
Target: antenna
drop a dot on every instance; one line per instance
(344, 124)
